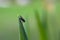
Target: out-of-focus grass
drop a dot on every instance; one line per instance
(42, 29)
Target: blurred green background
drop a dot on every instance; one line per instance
(39, 25)
(9, 23)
